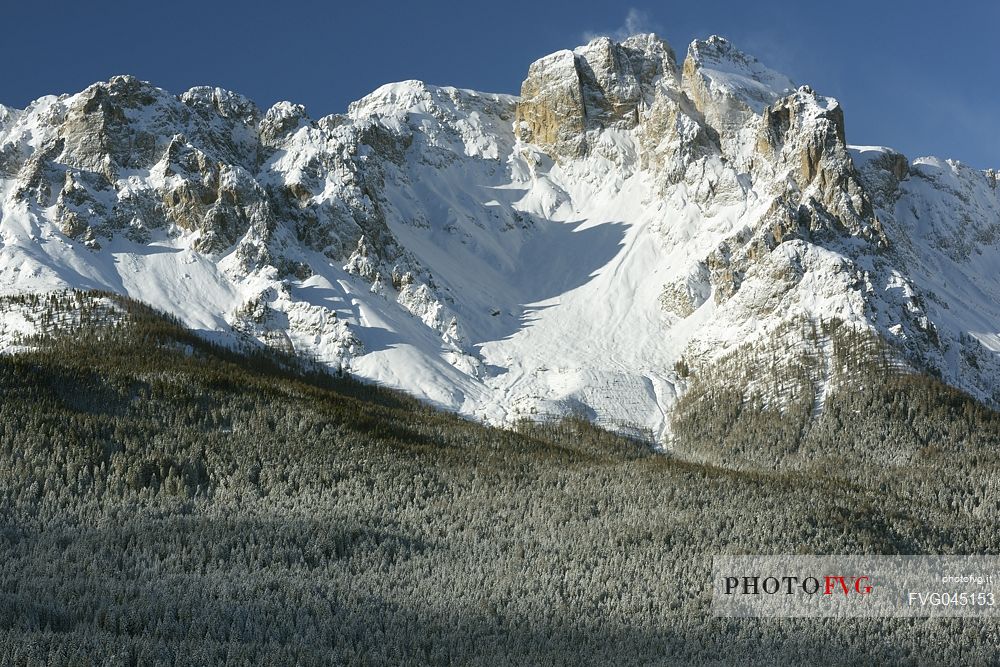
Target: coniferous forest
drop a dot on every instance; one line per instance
(164, 501)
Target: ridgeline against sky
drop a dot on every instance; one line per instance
(922, 79)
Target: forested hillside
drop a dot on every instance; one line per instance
(167, 502)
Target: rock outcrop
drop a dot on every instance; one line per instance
(731, 89)
(802, 142)
(603, 85)
(551, 112)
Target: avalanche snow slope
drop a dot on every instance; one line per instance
(560, 268)
(515, 257)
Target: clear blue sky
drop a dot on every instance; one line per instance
(919, 76)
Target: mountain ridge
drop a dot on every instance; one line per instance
(508, 257)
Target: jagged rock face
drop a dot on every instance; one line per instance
(883, 173)
(551, 111)
(728, 86)
(263, 195)
(802, 141)
(126, 126)
(731, 90)
(603, 85)
(611, 90)
(6, 115)
(280, 122)
(508, 257)
(207, 155)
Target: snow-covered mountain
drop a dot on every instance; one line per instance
(626, 225)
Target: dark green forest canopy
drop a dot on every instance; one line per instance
(167, 501)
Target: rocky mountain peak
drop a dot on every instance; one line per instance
(801, 140)
(212, 101)
(731, 89)
(716, 72)
(601, 85)
(280, 121)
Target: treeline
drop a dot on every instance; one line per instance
(167, 502)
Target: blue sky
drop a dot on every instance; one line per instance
(919, 76)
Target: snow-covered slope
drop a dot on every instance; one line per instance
(625, 224)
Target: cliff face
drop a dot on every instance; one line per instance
(570, 249)
(570, 97)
